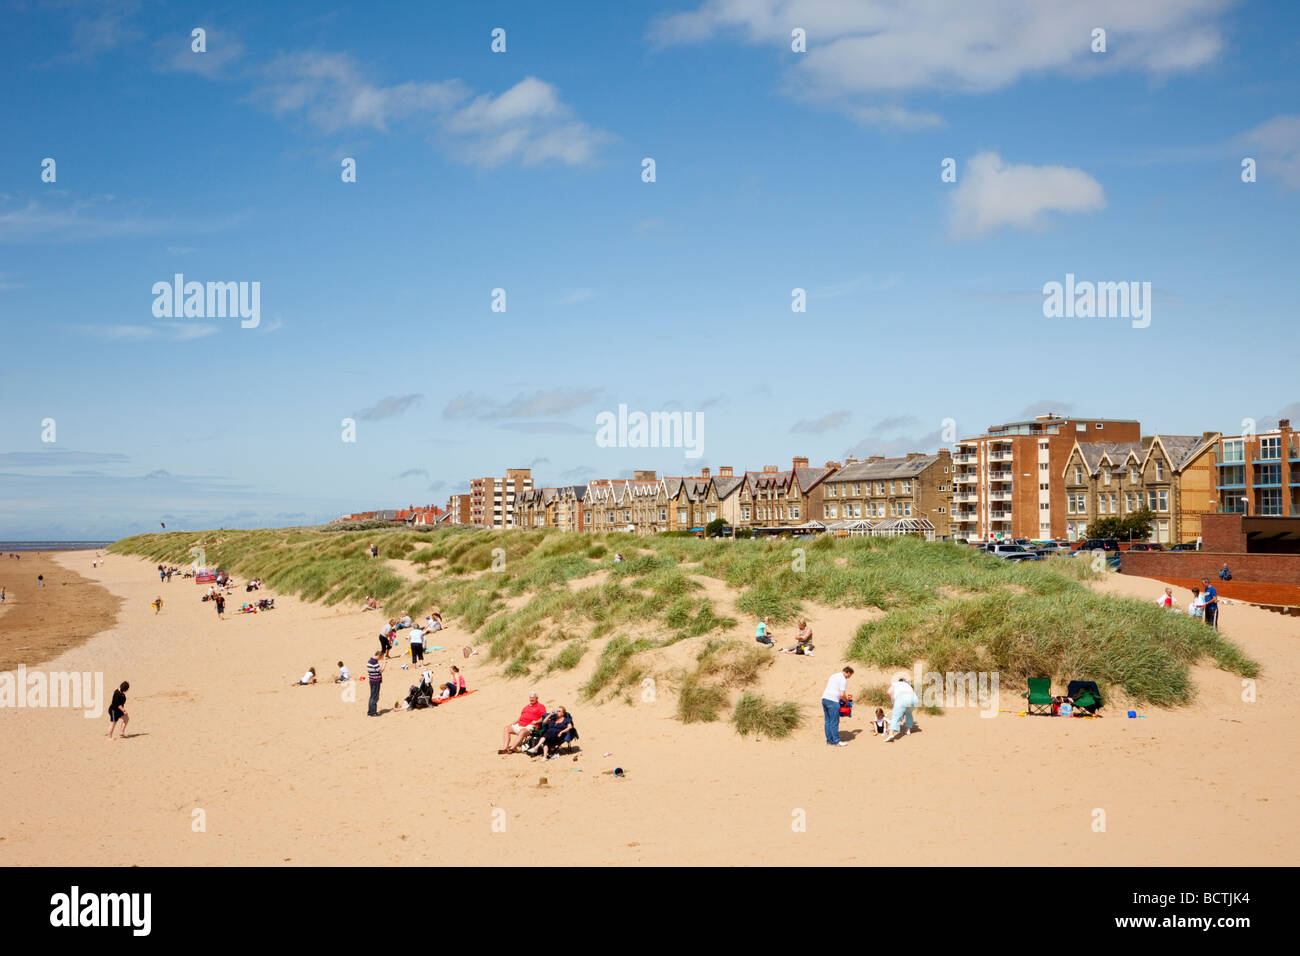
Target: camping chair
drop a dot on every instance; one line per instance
(532, 746)
(1085, 694)
(1039, 695)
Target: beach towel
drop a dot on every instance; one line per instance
(448, 700)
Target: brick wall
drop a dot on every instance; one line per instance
(1266, 568)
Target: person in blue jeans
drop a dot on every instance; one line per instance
(837, 690)
(375, 674)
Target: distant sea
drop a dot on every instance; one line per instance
(53, 545)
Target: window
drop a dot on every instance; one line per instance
(907, 509)
(1042, 466)
(891, 488)
(1106, 475)
(1081, 427)
(1078, 475)
(1044, 506)
(744, 512)
(1044, 486)
(857, 510)
(1270, 446)
(1160, 471)
(1112, 502)
(880, 487)
(906, 488)
(1128, 501)
(663, 514)
(1232, 475)
(712, 515)
(1270, 475)
(1270, 501)
(1133, 474)
(942, 510)
(1234, 450)
(830, 491)
(1099, 426)
(1042, 446)
(857, 488)
(1152, 500)
(1069, 504)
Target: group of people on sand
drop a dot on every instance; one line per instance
(837, 702)
(802, 645)
(418, 637)
(556, 730)
(1204, 605)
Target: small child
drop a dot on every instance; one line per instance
(307, 678)
(344, 676)
(882, 724)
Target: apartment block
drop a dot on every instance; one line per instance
(492, 500)
(918, 486)
(1010, 482)
(458, 509)
(1259, 475)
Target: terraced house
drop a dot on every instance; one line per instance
(1173, 475)
(604, 507)
(569, 513)
(772, 500)
(535, 508)
(902, 493)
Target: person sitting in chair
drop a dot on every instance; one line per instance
(529, 716)
(557, 732)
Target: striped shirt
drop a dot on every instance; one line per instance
(373, 671)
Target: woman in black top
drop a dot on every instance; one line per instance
(117, 710)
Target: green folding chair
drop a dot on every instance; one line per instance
(1039, 696)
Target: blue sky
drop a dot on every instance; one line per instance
(522, 170)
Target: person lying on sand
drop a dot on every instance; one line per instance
(307, 678)
(530, 715)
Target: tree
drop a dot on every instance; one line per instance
(1137, 526)
(714, 528)
(1105, 528)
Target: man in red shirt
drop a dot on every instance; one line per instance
(527, 718)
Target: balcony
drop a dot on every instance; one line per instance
(966, 459)
(1000, 496)
(962, 516)
(1000, 474)
(966, 479)
(1000, 516)
(1001, 455)
(968, 497)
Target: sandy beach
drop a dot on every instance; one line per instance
(283, 774)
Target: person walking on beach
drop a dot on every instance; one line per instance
(157, 605)
(1211, 604)
(375, 674)
(904, 698)
(837, 691)
(117, 710)
(221, 606)
(40, 580)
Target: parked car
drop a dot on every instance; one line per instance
(1109, 545)
(1013, 552)
(1051, 548)
(1186, 546)
(1146, 546)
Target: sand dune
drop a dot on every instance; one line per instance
(300, 775)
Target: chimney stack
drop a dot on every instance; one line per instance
(800, 463)
(724, 471)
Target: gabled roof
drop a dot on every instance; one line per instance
(808, 478)
(1093, 452)
(1181, 449)
(885, 468)
(725, 485)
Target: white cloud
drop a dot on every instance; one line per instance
(865, 55)
(1277, 142)
(174, 332)
(176, 54)
(573, 297)
(527, 123)
(828, 421)
(991, 194)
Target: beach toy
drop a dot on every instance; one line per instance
(1132, 713)
(618, 772)
(609, 753)
(404, 666)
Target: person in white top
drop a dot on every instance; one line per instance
(837, 691)
(343, 674)
(307, 678)
(1166, 600)
(904, 699)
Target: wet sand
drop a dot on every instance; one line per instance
(38, 624)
